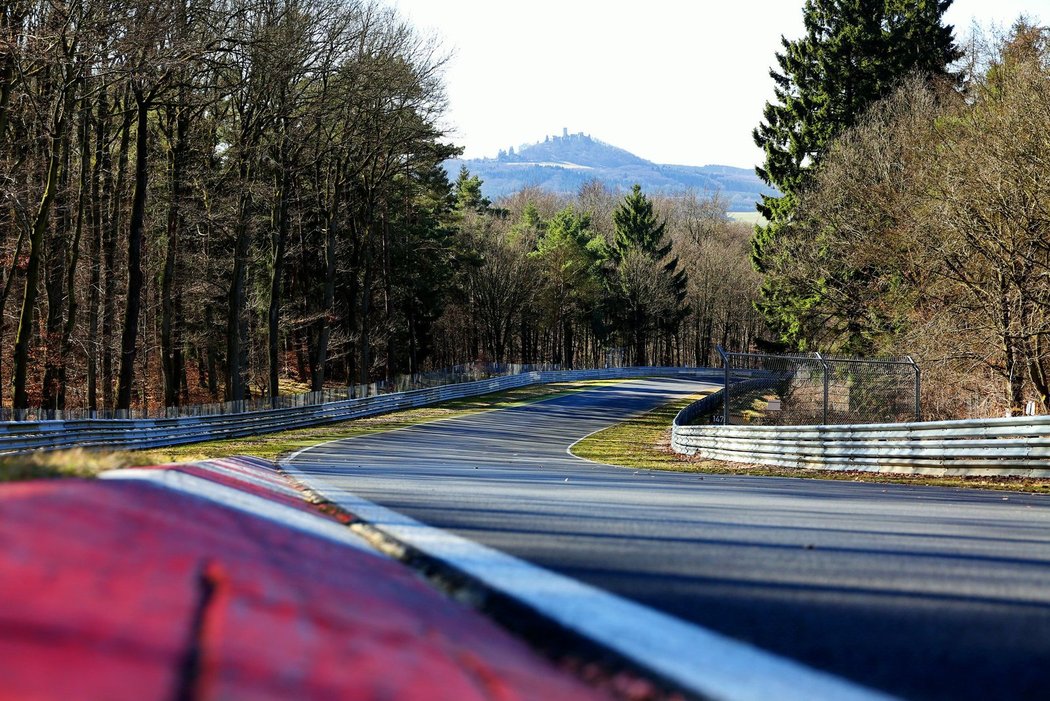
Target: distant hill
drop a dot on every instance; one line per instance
(563, 163)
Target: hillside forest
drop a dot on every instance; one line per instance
(208, 200)
(916, 218)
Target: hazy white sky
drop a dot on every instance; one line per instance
(673, 81)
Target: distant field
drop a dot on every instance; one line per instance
(747, 217)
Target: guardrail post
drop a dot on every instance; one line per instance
(918, 387)
(827, 382)
(725, 390)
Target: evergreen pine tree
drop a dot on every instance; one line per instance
(638, 231)
(569, 259)
(468, 192)
(853, 53)
(636, 226)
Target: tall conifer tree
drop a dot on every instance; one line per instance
(853, 53)
(637, 226)
(639, 231)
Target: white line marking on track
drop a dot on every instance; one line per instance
(236, 499)
(568, 450)
(701, 660)
(421, 425)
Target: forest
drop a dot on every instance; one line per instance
(212, 200)
(915, 208)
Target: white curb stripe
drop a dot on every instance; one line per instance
(243, 476)
(248, 503)
(703, 661)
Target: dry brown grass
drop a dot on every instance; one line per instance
(72, 463)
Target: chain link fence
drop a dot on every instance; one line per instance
(798, 390)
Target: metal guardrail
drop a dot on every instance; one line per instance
(26, 436)
(1018, 446)
(713, 404)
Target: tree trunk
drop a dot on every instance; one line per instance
(109, 246)
(237, 303)
(524, 332)
(365, 342)
(1032, 345)
(1012, 363)
(278, 243)
(388, 303)
(170, 342)
(6, 293)
(413, 342)
(10, 24)
(74, 247)
(53, 390)
(298, 341)
(36, 245)
(129, 337)
(319, 358)
(96, 215)
(639, 335)
(1039, 373)
(212, 354)
(567, 345)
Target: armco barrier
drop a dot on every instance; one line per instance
(25, 436)
(1017, 446)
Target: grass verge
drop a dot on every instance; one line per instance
(83, 463)
(271, 446)
(72, 463)
(644, 442)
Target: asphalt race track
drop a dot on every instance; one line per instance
(920, 592)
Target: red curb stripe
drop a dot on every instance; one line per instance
(237, 482)
(100, 598)
(255, 469)
(246, 477)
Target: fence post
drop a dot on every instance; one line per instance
(827, 380)
(725, 391)
(918, 387)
